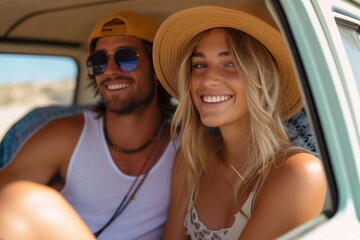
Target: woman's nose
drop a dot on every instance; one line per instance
(212, 77)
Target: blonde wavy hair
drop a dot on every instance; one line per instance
(201, 146)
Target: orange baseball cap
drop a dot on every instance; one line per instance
(124, 24)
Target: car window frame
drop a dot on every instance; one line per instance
(310, 35)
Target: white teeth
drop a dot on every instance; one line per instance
(117, 86)
(215, 99)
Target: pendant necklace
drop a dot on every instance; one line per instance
(160, 139)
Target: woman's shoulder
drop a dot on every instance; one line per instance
(297, 177)
(293, 193)
(296, 163)
(296, 168)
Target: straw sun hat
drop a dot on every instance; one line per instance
(177, 30)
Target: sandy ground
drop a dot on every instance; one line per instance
(17, 100)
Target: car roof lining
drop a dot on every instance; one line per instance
(54, 9)
(70, 22)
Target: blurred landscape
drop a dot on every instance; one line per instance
(18, 99)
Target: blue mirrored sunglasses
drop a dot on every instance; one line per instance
(125, 58)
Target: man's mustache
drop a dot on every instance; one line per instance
(119, 78)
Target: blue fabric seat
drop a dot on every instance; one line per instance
(300, 132)
(31, 122)
(298, 129)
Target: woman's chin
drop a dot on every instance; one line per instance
(211, 122)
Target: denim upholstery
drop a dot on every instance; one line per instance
(300, 133)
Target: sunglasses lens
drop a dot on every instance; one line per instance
(126, 59)
(96, 63)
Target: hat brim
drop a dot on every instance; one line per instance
(177, 30)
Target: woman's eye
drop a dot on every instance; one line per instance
(198, 65)
(230, 64)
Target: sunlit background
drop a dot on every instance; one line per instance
(28, 81)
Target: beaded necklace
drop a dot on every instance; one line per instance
(160, 139)
(123, 150)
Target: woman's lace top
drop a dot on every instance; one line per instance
(201, 231)
(198, 230)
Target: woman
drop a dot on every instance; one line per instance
(236, 175)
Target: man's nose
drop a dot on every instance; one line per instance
(111, 65)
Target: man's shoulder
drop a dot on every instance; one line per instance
(63, 128)
(65, 124)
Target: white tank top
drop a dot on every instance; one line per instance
(95, 187)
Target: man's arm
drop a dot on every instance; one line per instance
(46, 153)
(46, 216)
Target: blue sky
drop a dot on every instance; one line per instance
(27, 68)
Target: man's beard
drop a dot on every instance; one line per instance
(139, 98)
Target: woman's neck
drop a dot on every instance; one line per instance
(236, 140)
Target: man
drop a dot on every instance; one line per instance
(115, 161)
